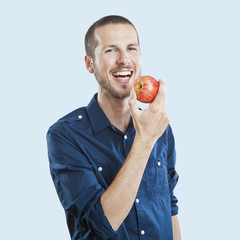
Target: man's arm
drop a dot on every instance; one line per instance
(150, 124)
(176, 228)
(78, 187)
(173, 179)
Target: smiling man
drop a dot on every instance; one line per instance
(112, 164)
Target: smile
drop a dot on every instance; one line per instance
(123, 76)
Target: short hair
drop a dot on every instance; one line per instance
(91, 42)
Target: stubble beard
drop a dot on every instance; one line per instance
(109, 89)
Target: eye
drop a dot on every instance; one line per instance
(132, 49)
(109, 50)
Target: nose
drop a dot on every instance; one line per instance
(123, 59)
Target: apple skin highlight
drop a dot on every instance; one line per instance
(146, 88)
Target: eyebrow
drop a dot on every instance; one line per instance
(113, 45)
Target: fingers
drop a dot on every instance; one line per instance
(133, 102)
(152, 121)
(162, 86)
(161, 98)
(161, 89)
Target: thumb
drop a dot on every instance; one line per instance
(133, 102)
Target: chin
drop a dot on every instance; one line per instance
(125, 93)
(121, 95)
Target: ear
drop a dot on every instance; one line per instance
(89, 64)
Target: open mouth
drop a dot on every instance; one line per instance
(123, 76)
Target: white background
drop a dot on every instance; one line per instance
(192, 45)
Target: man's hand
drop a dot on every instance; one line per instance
(150, 123)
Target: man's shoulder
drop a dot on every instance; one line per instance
(70, 119)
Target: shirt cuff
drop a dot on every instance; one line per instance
(98, 222)
(174, 206)
(174, 211)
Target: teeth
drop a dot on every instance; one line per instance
(125, 73)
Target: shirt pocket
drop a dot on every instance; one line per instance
(157, 177)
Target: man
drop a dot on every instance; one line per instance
(112, 164)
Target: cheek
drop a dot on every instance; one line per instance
(102, 67)
(103, 63)
(108, 64)
(137, 61)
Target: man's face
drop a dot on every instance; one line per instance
(117, 59)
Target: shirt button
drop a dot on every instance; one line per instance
(80, 116)
(159, 163)
(100, 169)
(137, 200)
(142, 232)
(125, 136)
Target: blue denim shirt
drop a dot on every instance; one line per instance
(86, 152)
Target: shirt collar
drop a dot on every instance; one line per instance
(97, 117)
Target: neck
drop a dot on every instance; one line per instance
(116, 110)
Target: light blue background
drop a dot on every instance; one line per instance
(192, 45)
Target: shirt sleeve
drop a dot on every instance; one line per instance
(77, 185)
(172, 173)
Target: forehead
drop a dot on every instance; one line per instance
(116, 34)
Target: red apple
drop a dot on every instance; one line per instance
(146, 88)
